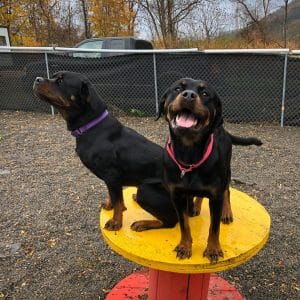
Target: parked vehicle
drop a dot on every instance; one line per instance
(6, 59)
(4, 36)
(114, 75)
(126, 43)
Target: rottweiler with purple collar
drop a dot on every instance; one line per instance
(115, 153)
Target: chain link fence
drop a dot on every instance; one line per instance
(254, 87)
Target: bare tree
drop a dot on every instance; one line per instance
(87, 30)
(207, 21)
(52, 22)
(67, 25)
(254, 13)
(48, 10)
(286, 2)
(165, 17)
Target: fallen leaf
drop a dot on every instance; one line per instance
(52, 243)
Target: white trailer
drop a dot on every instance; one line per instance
(4, 37)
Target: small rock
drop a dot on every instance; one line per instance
(15, 248)
(4, 172)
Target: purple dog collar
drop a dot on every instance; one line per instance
(78, 132)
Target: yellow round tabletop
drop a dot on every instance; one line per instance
(240, 240)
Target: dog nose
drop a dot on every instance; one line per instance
(189, 95)
(39, 79)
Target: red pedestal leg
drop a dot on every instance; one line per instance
(161, 285)
(177, 286)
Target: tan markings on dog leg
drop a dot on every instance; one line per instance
(146, 225)
(116, 222)
(227, 216)
(213, 250)
(108, 204)
(195, 208)
(184, 248)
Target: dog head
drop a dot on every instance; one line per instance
(69, 92)
(192, 108)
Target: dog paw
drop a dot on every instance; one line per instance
(146, 225)
(227, 218)
(113, 225)
(138, 226)
(183, 251)
(213, 254)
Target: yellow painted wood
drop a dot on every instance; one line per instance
(240, 240)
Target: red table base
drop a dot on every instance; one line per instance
(161, 285)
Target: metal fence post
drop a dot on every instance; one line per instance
(283, 89)
(48, 76)
(155, 84)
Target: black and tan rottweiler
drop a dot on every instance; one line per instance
(116, 154)
(197, 158)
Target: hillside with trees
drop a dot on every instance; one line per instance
(168, 23)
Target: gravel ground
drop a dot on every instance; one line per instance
(51, 247)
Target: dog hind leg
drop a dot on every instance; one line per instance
(154, 199)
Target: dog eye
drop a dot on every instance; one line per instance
(59, 81)
(204, 94)
(178, 89)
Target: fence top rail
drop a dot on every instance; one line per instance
(208, 51)
(62, 49)
(249, 51)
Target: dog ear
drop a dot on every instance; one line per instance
(84, 92)
(161, 106)
(218, 117)
(91, 97)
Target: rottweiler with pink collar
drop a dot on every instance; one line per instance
(197, 158)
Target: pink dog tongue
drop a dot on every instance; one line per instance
(185, 120)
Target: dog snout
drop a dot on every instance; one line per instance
(189, 95)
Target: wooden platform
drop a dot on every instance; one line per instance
(240, 240)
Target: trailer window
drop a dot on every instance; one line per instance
(3, 41)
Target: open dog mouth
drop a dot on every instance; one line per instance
(186, 119)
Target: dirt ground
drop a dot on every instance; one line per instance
(51, 247)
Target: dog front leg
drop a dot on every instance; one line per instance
(108, 204)
(227, 216)
(213, 250)
(195, 206)
(184, 248)
(116, 196)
